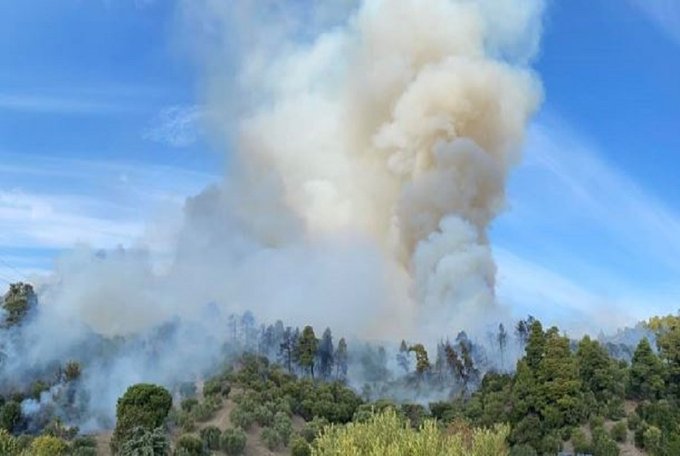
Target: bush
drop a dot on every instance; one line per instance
(233, 441)
(216, 387)
(523, 450)
(10, 416)
(633, 421)
(580, 442)
(142, 441)
(189, 445)
(46, 445)
(300, 447)
(313, 428)
(283, 426)
(8, 444)
(387, 433)
(211, 437)
(142, 406)
(652, 440)
(603, 445)
(619, 432)
(188, 405)
(84, 442)
(596, 421)
(241, 418)
(84, 451)
(263, 415)
(271, 438)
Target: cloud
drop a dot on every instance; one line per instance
(56, 203)
(584, 243)
(665, 14)
(50, 104)
(177, 126)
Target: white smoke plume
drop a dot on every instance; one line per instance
(368, 147)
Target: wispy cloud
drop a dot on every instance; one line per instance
(51, 104)
(55, 204)
(177, 126)
(583, 242)
(664, 13)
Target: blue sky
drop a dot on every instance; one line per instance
(99, 133)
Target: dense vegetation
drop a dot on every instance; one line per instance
(295, 393)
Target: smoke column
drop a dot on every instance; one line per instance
(399, 126)
(368, 145)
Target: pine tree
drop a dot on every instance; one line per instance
(341, 358)
(502, 343)
(326, 354)
(422, 361)
(306, 348)
(646, 377)
(535, 345)
(403, 357)
(560, 386)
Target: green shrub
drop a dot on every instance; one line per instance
(233, 442)
(241, 418)
(143, 405)
(619, 432)
(652, 440)
(188, 405)
(47, 445)
(596, 421)
(142, 441)
(283, 426)
(313, 428)
(633, 421)
(387, 433)
(189, 445)
(10, 415)
(263, 415)
(300, 447)
(271, 438)
(8, 444)
(580, 442)
(84, 451)
(523, 450)
(211, 437)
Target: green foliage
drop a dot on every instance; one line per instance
(8, 444)
(313, 428)
(581, 443)
(211, 437)
(422, 361)
(300, 447)
(10, 415)
(388, 434)
(651, 440)
(271, 438)
(17, 302)
(646, 376)
(523, 450)
(633, 421)
(188, 405)
(47, 445)
(283, 426)
(619, 432)
(142, 406)
(233, 442)
(217, 387)
(84, 451)
(306, 348)
(145, 442)
(189, 445)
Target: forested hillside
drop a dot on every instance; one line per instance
(285, 390)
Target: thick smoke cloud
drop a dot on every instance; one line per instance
(368, 148)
